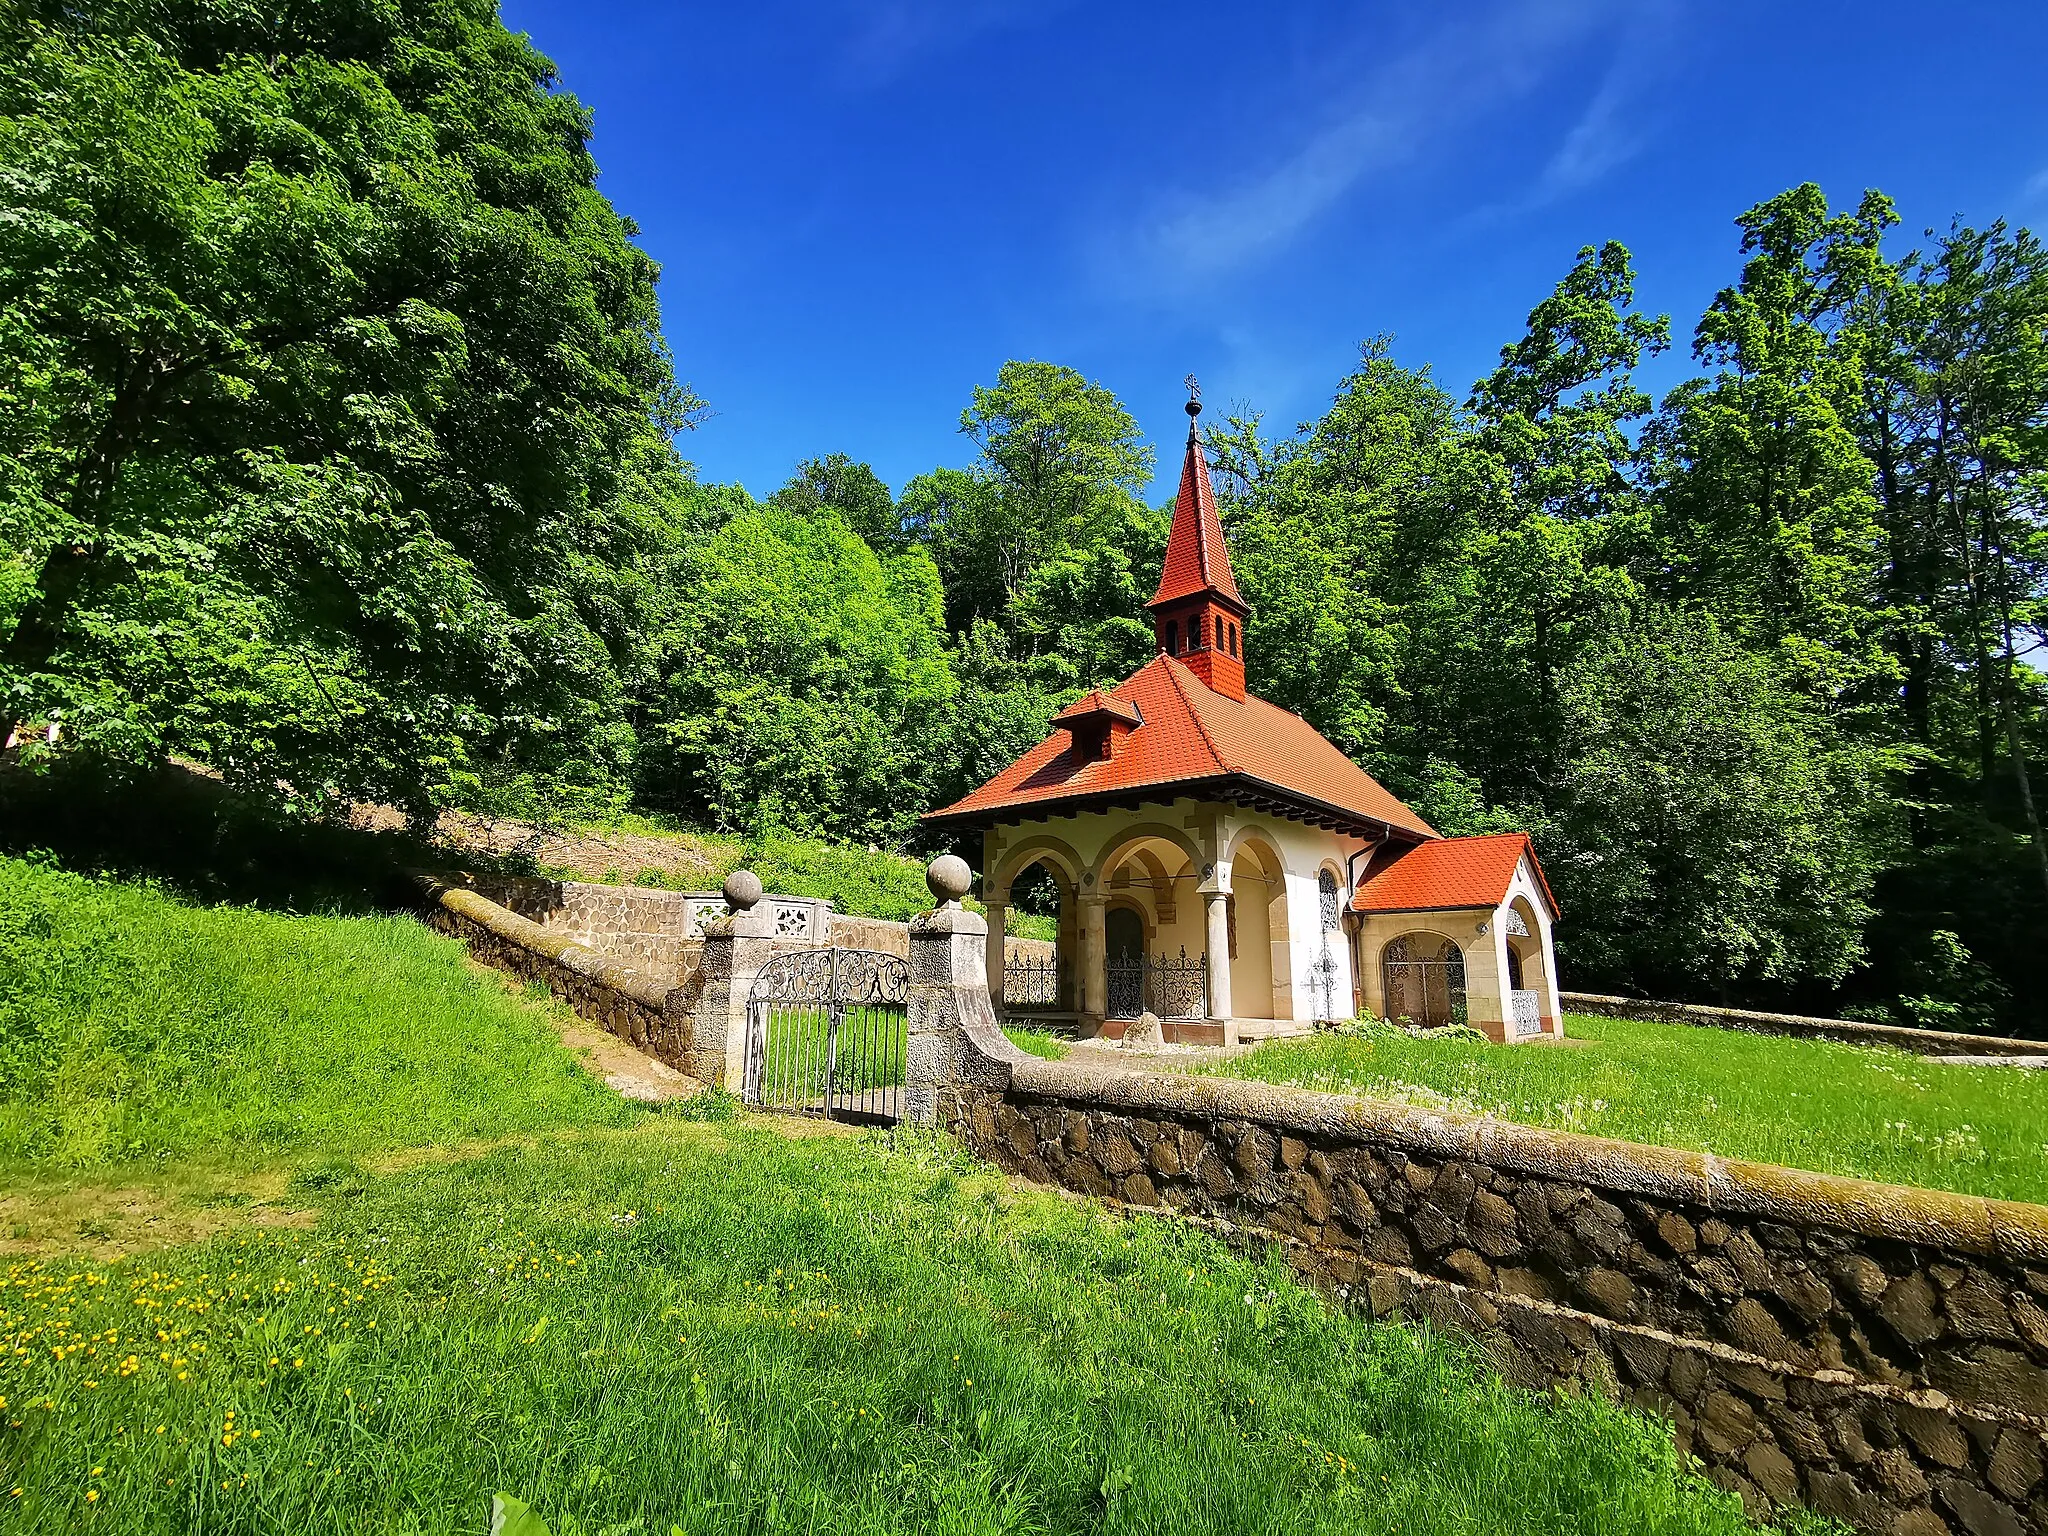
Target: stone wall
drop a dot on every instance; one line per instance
(1923, 1042)
(638, 1008)
(1878, 1353)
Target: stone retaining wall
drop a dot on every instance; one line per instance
(1923, 1042)
(638, 1008)
(1879, 1353)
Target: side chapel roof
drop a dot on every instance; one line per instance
(1451, 872)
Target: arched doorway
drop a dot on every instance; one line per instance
(1424, 975)
(1124, 948)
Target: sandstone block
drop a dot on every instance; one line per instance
(1390, 1246)
(1920, 1522)
(1293, 1152)
(1468, 1268)
(1165, 1158)
(2016, 1464)
(1989, 1374)
(1976, 1310)
(1772, 1471)
(1138, 1190)
(1899, 1475)
(1978, 1512)
(1676, 1233)
(1608, 1292)
(1910, 1308)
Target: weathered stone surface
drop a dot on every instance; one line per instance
(1139, 1190)
(1117, 1154)
(1293, 1152)
(1468, 1268)
(1164, 1156)
(2016, 1464)
(1609, 1292)
(1920, 1522)
(1909, 1305)
(1724, 1423)
(1978, 1512)
(1772, 1471)
(1899, 1475)
(1676, 1233)
(1989, 1374)
(1934, 1435)
(1976, 1310)
(1389, 1246)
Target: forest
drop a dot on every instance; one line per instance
(339, 452)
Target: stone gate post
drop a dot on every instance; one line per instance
(954, 1041)
(735, 948)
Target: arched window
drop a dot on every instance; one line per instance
(1326, 892)
(1172, 637)
(1424, 975)
(1233, 638)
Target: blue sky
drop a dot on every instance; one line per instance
(862, 209)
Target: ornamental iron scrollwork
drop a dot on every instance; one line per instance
(1424, 977)
(826, 1034)
(1029, 982)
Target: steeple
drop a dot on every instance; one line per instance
(1197, 614)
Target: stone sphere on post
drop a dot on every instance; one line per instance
(949, 878)
(742, 890)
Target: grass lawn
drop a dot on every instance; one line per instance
(639, 1320)
(1868, 1112)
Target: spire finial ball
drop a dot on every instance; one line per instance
(949, 878)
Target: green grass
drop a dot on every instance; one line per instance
(1039, 1042)
(1867, 1112)
(721, 1329)
(653, 1320)
(136, 1026)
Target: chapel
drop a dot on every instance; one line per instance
(1220, 865)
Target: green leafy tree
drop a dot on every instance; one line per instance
(805, 682)
(1059, 460)
(322, 367)
(851, 489)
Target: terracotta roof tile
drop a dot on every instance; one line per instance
(1192, 733)
(1096, 702)
(1196, 558)
(1450, 872)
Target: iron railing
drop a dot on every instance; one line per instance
(1031, 983)
(827, 1034)
(1173, 987)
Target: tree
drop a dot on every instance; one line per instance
(1711, 828)
(852, 490)
(1059, 458)
(322, 367)
(804, 681)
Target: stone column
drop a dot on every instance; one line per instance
(1094, 958)
(1218, 915)
(735, 949)
(955, 1053)
(997, 912)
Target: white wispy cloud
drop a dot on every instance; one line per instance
(1439, 85)
(888, 39)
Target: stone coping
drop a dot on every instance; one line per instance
(529, 935)
(2006, 1229)
(1922, 1042)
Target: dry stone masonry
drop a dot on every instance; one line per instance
(1878, 1353)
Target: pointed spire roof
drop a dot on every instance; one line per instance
(1196, 559)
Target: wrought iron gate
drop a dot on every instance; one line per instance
(1173, 988)
(826, 1034)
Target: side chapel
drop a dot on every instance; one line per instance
(1222, 866)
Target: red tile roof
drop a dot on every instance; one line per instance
(1191, 734)
(1449, 872)
(1096, 703)
(1196, 558)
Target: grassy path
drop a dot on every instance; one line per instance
(1866, 1112)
